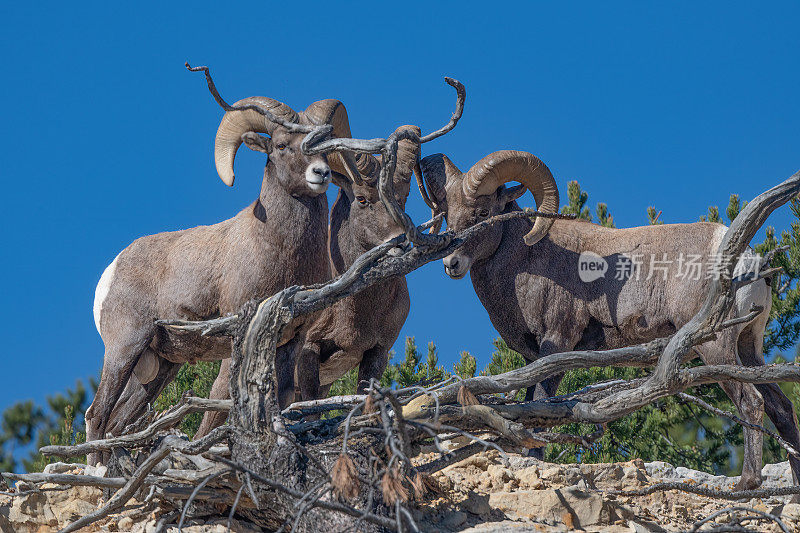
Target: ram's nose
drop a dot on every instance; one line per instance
(322, 172)
(318, 176)
(454, 267)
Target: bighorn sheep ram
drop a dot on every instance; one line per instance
(527, 277)
(199, 273)
(358, 330)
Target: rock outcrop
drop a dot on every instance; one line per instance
(485, 493)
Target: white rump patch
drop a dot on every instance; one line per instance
(101, 292)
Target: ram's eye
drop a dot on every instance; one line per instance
(362, 200)
(281, 146)
(483, 212)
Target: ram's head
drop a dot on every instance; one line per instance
(467, 198)
(298, 173)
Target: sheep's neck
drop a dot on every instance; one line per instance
(297, 225)
(345, 249)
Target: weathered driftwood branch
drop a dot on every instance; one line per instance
(167, 487)
(709, 492)
(123, 495)
(221, 325)
(171, 418)
(734, 523)
(719, 412)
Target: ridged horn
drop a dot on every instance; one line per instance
(408, 153)
(498, 168)
(435, 169)
(333, 112)
(368, 167)
(236, 123)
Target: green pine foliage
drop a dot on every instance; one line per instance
(604, 217)
(666, 430)
(26, 424)
(653, 216)
(197, 378)
(466, 366)
(347, 384)
(504, 359)
(577, 202)
(412, 371)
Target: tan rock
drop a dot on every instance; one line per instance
(633, 474)
(125, 524)
(552, 475)
(529, 478)
(568, 506)
(791, 511)
(609, 473)
(477, 504)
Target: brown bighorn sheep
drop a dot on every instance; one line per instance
(527, 277)
(358, 330)
(277, 241)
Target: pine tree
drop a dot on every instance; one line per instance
(577, 202)
(504, 359)
(413, 372)
(198, 378)
(653, 216)
(604, 216)
(347, 384)
(25, 424)
(466, 366)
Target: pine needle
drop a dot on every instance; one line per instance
(392, 488)
(344, 478)
(465, 397)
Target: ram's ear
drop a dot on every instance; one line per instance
(509, 194)
(256, 142)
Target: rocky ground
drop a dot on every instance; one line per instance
(484, 493)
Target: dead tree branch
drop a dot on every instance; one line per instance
(169, 419)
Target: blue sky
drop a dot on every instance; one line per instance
(107, 138)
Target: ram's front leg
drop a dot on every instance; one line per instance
(372, 366)
(307, 372)
(552, 343)
(285, 363)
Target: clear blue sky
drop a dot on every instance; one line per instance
(107, 138)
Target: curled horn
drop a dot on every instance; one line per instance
(236, 123)
(408, 153)
(368, 167)
(435, 169)
(498, 168)
(334, 113)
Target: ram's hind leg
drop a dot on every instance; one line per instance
(220, 390)
(748, 402)
(142, 390)
(751, 407)
(778, 407)
(121, 355)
